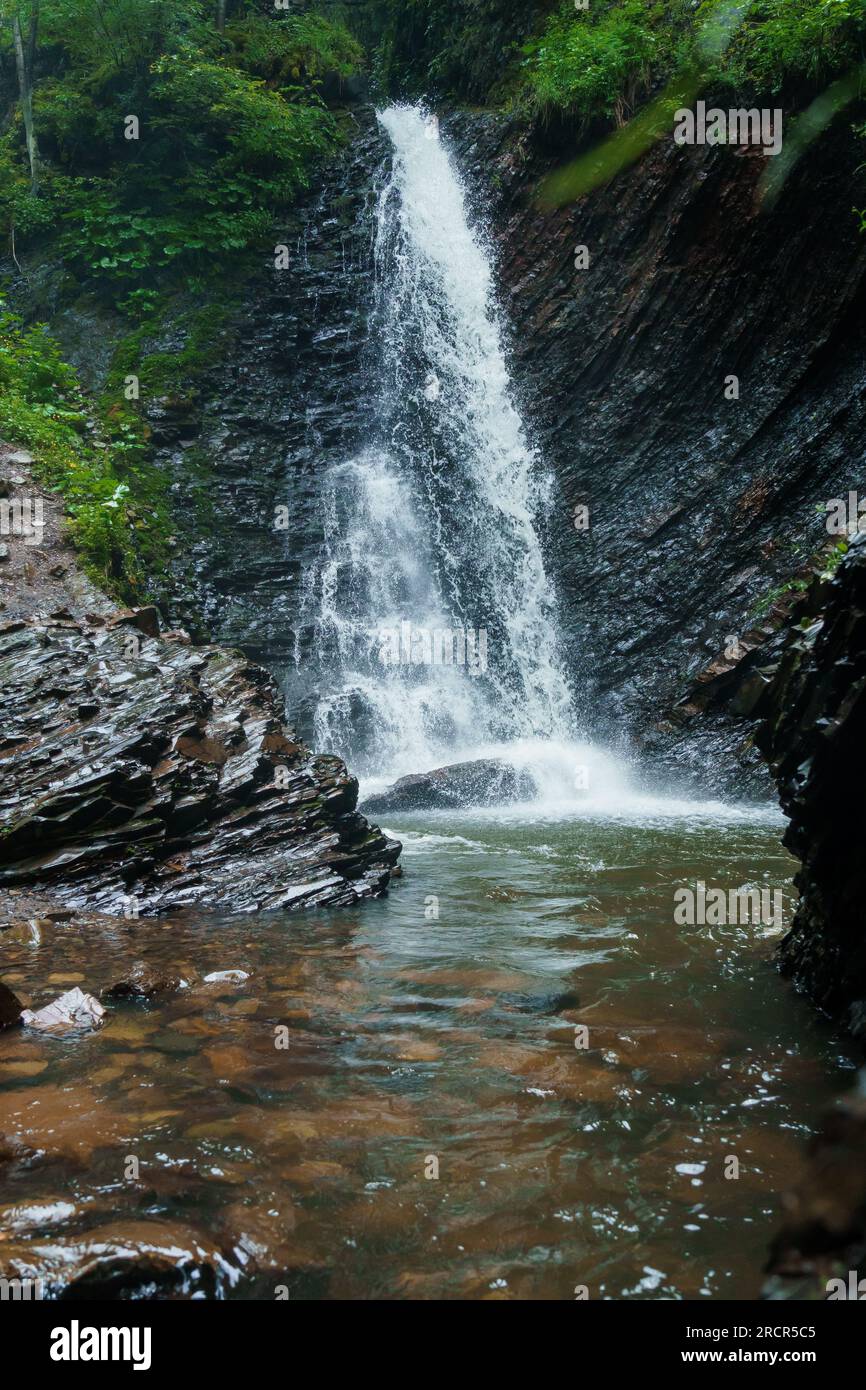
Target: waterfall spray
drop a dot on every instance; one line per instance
(431, 529)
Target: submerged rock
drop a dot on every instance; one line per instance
(126, 1259)
(144, 982)
(486, 782)
(11, 1008)
(226, 977)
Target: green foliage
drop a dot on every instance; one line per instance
(294, 49)
(98, 468)
(105, 42)
(162, 372)
(442, 48)
(242, 151)
(833, 559)
(596, 61)
(779, 40)
(599, 61)
(230, 128)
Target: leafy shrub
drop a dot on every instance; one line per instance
(778, 40)
(230, 129)
(296, 49)
(600, 61)
(96, 472)
(593, 62)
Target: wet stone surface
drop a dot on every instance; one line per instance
(140, 768)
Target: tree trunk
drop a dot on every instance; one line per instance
(221, 16)
(24, 60)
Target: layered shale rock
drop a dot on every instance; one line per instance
(144, 768)
(814, 734)
(700, 504)
(141, 772)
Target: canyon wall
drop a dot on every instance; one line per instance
(699, 505)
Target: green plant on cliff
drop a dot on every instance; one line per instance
(779, 40)
(115, 501)
(295, 51)
(441, 48)
(601, 60)
(166, 148)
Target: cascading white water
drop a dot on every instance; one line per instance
(433, 526)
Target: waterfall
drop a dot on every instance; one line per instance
(428, 620)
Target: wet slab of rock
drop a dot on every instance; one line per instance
(484, 782)
(149, 771)
(73, 1012)
(59, 1121)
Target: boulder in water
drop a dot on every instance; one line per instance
(485, 782)
(226, 977)
(10, 1008)
(141, 981)
(73, 1012)
(126, 1259)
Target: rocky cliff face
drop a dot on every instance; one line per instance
(248, 441)
(142, 773)
(814, 735)
(699, 505)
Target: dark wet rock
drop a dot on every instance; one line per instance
(284, 399)
(486, 782)
(824, 1230)
(697, 503)
(73, 1012)
(144, 982)
(125, 1259)
(186, 786)
(145, 620)
(10, 1008)
(813, 733)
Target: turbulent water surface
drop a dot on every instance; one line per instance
(431, 527)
